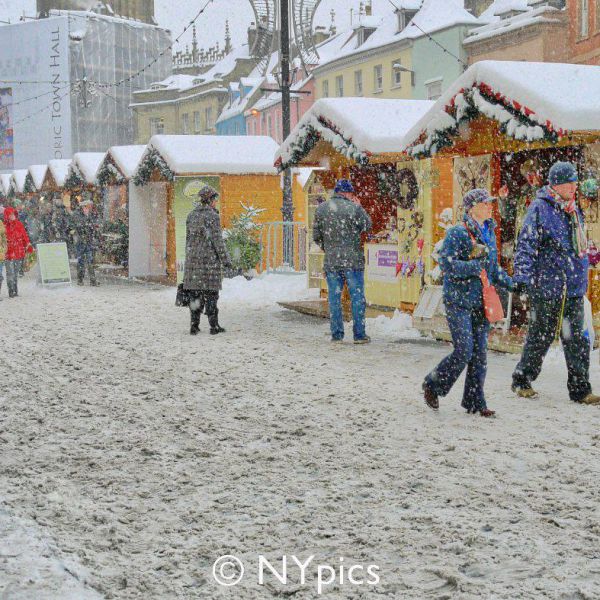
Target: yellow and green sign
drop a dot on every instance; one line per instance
(54, 263)
(186, 196)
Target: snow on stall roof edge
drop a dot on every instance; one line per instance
(38, 174)
(88, 164)
(564, 94)
(230, 155)
(127, 158)
(59, 168)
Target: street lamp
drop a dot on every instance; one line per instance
(413, 75)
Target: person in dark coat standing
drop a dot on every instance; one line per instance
(339, 224)
(205, 257)
(86, 235)
(551, 268)
(17, 247)
(468, 249)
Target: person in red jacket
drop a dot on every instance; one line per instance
(17, 246)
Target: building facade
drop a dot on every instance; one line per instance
(398, 54)
(538, 33)
(584, 31)
(140, 10)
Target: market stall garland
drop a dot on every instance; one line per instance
(317, 129)
(74, 180)
(516, 120)
(109, 175)
(29, 186)
(152, 161)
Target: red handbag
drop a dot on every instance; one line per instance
(492, 306)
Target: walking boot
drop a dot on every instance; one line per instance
(92, 274)
(524, 391)
(591, 399)
(213, 321)
(431, 398)
(195, 325)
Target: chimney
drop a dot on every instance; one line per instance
(369, 8)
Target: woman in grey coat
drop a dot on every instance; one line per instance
(205, 255)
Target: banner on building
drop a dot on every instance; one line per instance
(185, 197)
(7, 152)
(54, 263)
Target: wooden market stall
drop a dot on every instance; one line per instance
(114, 174)
(5, 184)
(165, 186)
(82, 177)
(501, 126)
(17, 190)
(53, 185)
(361, 139)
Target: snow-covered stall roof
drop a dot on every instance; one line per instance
(5, 181)
(59, 169)
(531, 101)
(38, 174)
(228, 155)
(127, 158)
(355, 127)
(18, 177)
(85, 166)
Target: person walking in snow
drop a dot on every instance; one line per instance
(3, 244)
(468, 251)
(205, 257)
(551, 268)
(86, 235)
(339, 224)
(17, 247)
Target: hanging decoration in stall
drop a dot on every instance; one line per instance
(469, 173)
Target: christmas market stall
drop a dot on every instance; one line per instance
(501, 126)
(114, 175)
(17, 190)
(5, 184)
(166, 183)
(361, 139)
(82, 178)
(53, 186)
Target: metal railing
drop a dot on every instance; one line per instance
(283, 247)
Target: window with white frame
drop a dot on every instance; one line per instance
(434, 89)
(378, 78)
(185, 123)
(197, 123)
(325, 89)
(358, 83)
(339, 86)
(584, 18)
(157, 126)
(208, 118)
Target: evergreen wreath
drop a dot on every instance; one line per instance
(74, 179)
(108, 174)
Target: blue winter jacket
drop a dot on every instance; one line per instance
(462, 277)
(546, 259)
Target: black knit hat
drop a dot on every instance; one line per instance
(207, 195)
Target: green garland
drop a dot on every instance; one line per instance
(153, 161)
(109, 175)
(74, 180)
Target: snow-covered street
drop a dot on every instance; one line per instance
(133, 455)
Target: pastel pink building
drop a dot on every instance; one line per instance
(264, 118)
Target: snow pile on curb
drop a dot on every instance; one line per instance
(266, 290)
(399, 326)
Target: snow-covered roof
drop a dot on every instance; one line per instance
(551, 97)
(86, 164)
(274, 98)
(540, 15)
(500, 7)
(239, 105)
(355, 127)
(230, 155)
(38, 174)
(5, 182)
(127, 158)
(18, 180)
(433, 16)
(59, 169)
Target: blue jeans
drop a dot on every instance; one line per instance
(469, 329)
(356, 286)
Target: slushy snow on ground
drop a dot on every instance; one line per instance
(133, 455)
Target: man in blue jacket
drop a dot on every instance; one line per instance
(469, 248)
(551, 267)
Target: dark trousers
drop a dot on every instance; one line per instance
(544, 316)
(469, 329)
(85, 258)
(12, 276)
(204, 300)
(356, 287)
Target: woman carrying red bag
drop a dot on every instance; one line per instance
(469, 263)
(18, 245)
